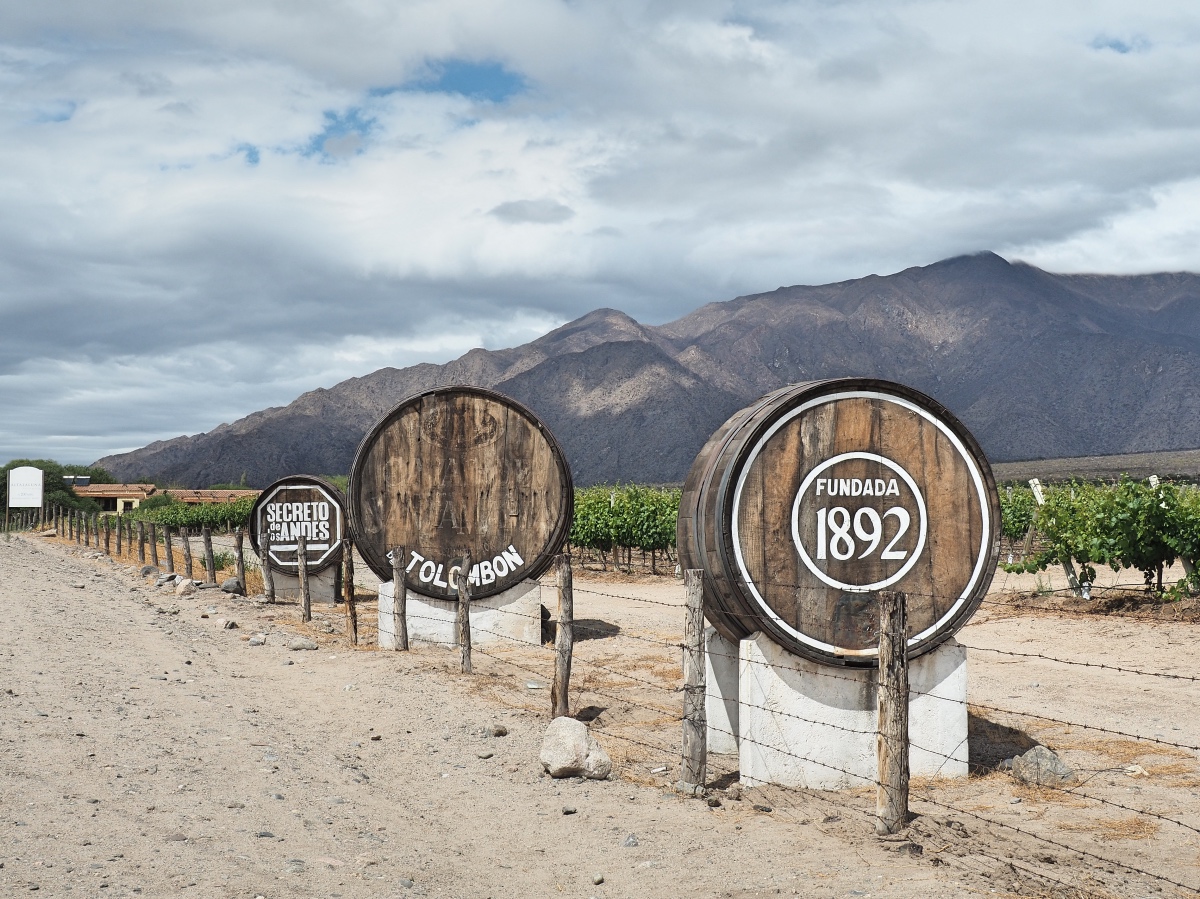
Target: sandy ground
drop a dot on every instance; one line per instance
(151, 751)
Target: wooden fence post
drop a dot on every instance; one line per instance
(348, 590)
(170, 548)
(154, 544)
(891, 742)
(87, 530)
(563, 639)
(185, 539)
(210, 562)
(694, 770)
(264, 550)
(302, 573)
(240, 555)
(399, 600)
(463, 618)
(141, 529)
(107, 536)
(120, 535)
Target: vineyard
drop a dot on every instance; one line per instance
(1132, 524)
(611, 522)
(194, 516)
(1142, 525)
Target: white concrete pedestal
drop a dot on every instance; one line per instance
(721, 692)
(514, 615)
(809, 725)
(323, 587)
(801, 724)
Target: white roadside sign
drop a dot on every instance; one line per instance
(25, 488)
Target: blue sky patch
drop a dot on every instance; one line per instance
(477, 80)
(251, 152)
(343, 135)
(1136, 44)
(58, 111)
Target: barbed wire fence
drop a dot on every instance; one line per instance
(633, 676)
(652, 707)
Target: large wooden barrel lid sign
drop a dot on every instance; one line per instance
(300, 506)
(460, 469)
(804, 505)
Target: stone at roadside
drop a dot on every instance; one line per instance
(231, 625)
(185, 587)
(302, 643)
(165, 579)
(597, 879)
(258, 640)
(568, 809)
(149, 571)
(48, 533)
(630, 841)
(570, 750)
(499, 730)
(1041, 767)
(78, 586)
(233, 585)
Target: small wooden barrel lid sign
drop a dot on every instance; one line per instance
(460, 469)
(295, 506)
(804, 505)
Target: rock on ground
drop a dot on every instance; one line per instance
(570, 750)
(1042, 767)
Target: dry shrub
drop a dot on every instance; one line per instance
(1171, 769)
(1133, 827)
(1034, 793)
(1123, 752)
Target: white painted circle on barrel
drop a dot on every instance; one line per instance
(910, 555)
(981, 555)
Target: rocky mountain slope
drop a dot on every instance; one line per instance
(1037, 365)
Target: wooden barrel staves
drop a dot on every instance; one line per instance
(300, 506)
(461, 469)
(806, 503)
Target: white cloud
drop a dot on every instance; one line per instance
(177, 182)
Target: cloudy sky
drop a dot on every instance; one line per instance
(208, 208)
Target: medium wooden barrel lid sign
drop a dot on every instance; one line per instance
(804, 505)
(295, 506)
(461, 469)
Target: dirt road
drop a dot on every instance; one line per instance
(150, 750)
(153, 752)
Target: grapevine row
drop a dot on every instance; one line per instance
(1129, 525)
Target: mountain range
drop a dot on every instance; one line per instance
(1037, 365)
